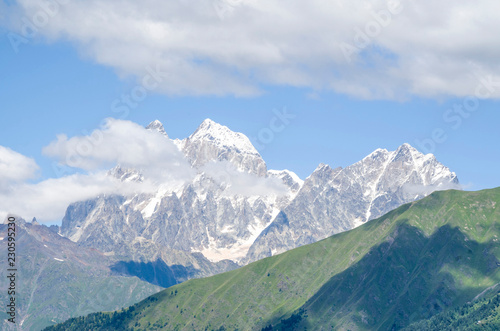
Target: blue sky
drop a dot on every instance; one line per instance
(65, 80)
(51, 89)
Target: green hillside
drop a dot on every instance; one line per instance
(416, 261)
(479, 315)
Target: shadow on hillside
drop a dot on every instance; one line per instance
(156, 272)
(398, 282)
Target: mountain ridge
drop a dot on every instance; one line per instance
(234, 198)
(335, 200)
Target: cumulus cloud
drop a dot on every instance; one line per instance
(119, 142)
(241, 183)
(48, 199)
(377, 49)
(15, 167)
(127, 144)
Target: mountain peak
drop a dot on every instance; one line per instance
(211, 127)
(407, 151)
(407, 148)
(156, 125)
(323, 172)
(322, 167)
(207, 122)
(404, 149)
(222, 136)
(212, 141)
(379, 153)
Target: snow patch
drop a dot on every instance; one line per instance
(227, 229)
(179, 143)
(149, 210)
(237, 251)
(76, 236)
(162, 191)
(357, 222)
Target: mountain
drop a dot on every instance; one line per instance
(157, 126)
(289, 178)
(235, 209)
(58, 279)
(201, 217)
(421, 259)
(231, 211)
(335, 200)
(110, 224)
(212, 141)
(218, 213)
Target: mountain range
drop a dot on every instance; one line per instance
(230, 211)
(423, 259)
(234, 208)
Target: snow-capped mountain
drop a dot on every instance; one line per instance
(157, 126)
(199, 217)
(336, 200)
(215, 142)
(236, 209)
(219, 213)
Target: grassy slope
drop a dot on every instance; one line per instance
(482, 314)
(426, 265)
(407, 265)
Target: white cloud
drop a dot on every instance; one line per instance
(48, 199)
(424, 190)
(127, 144)
(119, 142)
(427, 48)
(15, 167)
(242, 183)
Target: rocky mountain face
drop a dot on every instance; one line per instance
(199, 218)
(215, 142)
(218, 213)
(235, 210)
(110, 224)
(336, 200)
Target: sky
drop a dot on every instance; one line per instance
(308, 82)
